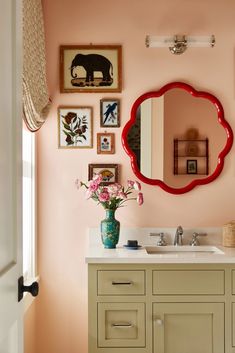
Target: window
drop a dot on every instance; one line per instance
(28, 195)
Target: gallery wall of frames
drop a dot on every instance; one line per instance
(91, 69)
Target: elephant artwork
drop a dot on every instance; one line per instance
(91, 63)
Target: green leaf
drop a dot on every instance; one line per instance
(67, 133)
(66, 126)
(83, 136)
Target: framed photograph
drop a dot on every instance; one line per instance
(90, 68)
(191, 166)
(105, 143)
(110, 113)
(75, 125)
(109, 172)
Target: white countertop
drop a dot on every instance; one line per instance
(97, 254)
(120, 255)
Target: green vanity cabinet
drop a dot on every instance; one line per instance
(188, 327)
(161, 308)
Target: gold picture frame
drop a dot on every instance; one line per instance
(105, 143)
(90, 68)
(110, 112)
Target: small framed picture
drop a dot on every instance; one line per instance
(109, 172)
(191, 166)
(105, 143)
(110, 113)
(90, 68)
(75, 125)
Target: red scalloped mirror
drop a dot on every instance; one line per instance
(177, 138)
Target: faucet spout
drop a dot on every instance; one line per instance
(178, 241)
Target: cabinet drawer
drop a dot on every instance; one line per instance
(121, 282)
(121, 325)
(188, 282)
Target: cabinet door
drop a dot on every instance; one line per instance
(188, 327)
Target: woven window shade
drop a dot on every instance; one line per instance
(36, 102)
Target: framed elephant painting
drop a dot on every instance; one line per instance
(90, 68)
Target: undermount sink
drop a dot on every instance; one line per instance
(184, 250)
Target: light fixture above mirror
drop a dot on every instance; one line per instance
(159, 141)
(177, 44)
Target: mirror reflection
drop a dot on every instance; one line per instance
(176, 137)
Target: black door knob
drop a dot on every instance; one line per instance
(33, 288)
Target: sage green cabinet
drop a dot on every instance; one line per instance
(168, 308)
(188, 327)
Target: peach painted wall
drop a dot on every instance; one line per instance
(63, 214)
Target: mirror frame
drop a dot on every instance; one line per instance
(221, 120)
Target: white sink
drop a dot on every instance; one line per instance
(184, 250)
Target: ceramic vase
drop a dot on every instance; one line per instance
(110, 229)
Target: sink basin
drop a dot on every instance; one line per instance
(184, 250)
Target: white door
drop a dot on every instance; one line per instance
(11, 315)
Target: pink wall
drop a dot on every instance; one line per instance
(63, 214)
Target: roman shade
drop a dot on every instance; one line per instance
(36, 102)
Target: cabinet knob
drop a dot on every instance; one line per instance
(159, 322)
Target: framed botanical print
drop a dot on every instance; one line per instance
(109, 172)
(75, 125)
(110, 113)
(90, 68)
(105, 143)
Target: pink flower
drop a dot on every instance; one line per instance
(140, 199)
(93, 185)
(104, 196)
(122, 195)
(114, 189)
(130, 183)
(97, 178)
(137, 186)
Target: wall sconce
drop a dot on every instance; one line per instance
(179, 43)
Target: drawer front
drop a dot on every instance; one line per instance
(121, 282)
(121, 325)
(188, 282)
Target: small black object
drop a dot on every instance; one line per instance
(132, 247)
(33, 288)
(133, 243)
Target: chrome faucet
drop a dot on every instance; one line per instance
(178, 236)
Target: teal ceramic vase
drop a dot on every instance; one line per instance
(110, 229)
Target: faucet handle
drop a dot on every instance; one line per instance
(195, 241)
(161, 241)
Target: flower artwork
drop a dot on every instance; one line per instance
(114, 195)
(75, 127)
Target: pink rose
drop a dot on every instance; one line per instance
(104, 196)
(137, 186)
(140, 199)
